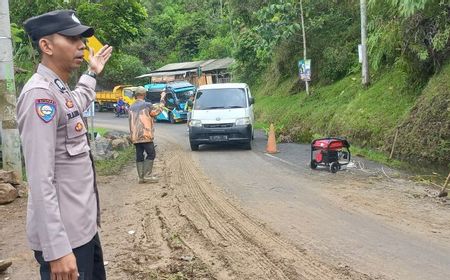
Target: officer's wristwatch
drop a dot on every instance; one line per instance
(91, 73)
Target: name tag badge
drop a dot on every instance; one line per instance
(73, 114)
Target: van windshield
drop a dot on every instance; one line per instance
(224, 98)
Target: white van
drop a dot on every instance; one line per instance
(222, 113)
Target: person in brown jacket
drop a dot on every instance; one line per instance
(141, 119)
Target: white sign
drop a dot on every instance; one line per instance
(90, 111)
(360, 51)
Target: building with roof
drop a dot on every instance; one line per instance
(196, 72)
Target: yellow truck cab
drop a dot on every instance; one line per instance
(105, 100)
(128, 94)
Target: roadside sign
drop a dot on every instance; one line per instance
(90, 111)
(304, 69)
(360, 51)
(95, 44)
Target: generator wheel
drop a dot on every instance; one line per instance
(313, 164)
(334, 167)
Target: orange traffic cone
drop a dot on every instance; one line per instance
(271, 142)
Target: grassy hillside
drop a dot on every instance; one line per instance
(369, 117)
(425, 132)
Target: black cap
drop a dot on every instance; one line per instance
(63, 22)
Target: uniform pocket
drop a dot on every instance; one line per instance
(76, 142)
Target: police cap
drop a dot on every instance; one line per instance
(63, 22)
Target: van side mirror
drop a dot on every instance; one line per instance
(252, 100)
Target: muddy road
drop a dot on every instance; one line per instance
(227, 213)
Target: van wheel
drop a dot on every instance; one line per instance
(194, 147)
(248, 145)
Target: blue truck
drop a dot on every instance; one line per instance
(178, 93)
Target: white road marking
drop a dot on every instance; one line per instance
(282, 160)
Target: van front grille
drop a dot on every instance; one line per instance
(218, 125)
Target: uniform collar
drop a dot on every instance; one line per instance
(48, 73)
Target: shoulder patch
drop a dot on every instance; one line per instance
(45, 109)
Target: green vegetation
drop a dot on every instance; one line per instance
(425, 132)
(111, 167)
(341, 108)
(100, 130)
(117, 23)
(368, 118)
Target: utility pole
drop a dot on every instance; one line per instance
(365, 62)
(12, 159)
(304, 43)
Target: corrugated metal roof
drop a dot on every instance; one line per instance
(167, 73)
(218, 64)
(180, 66)
(183, 67)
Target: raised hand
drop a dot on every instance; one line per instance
(98, 60)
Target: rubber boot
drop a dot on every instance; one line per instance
(148, 168)
(140, 170)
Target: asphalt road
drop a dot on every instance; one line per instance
(282, 192)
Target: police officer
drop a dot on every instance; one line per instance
(63, 210)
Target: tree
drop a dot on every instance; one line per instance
(116, 22)
(122, 69)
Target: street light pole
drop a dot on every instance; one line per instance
(365, 61)
(12, 159)
(304, 43)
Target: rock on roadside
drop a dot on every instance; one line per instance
(9, 177)
(119, 144)
(7, 193)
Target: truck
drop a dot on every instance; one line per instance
(178, 93)
(105, 100)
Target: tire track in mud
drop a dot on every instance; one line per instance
(250, 250)
(229, 233)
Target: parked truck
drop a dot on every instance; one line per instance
(105, 100)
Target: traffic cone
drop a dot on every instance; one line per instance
(271, 147)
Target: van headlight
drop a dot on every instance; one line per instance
(243, 121)
(195, 123)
